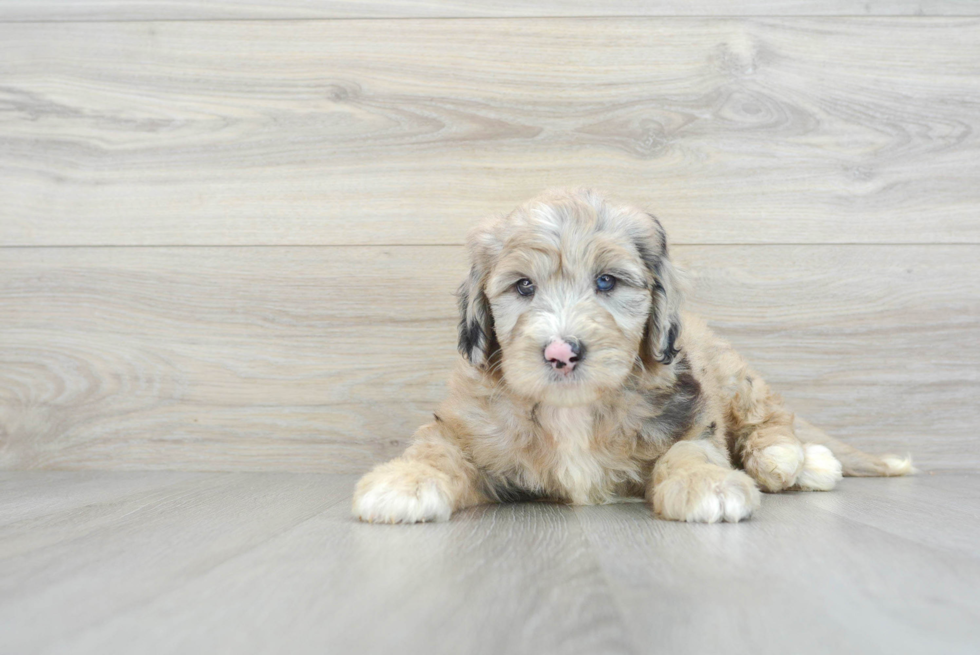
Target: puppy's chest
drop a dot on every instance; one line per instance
(571, 456)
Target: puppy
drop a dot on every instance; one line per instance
(583, 382)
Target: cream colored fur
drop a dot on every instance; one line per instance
(658, 407)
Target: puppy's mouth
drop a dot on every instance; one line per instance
(564, 374)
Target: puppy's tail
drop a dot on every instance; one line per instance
(855, 463)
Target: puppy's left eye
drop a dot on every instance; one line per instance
(525, 287)
(605, 282)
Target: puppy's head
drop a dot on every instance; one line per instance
(567, 295)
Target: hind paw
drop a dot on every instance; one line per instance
(821, 470)
(776, 467)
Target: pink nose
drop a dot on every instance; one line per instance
(562, 355)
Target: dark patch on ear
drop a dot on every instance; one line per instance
(670, 352)
(661, 234)
(490, 346)
(474, 336)
(663, 327)
(465, 344)
(436, 417)
(476, 331)
(651, 260)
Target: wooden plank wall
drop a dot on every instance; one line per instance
(90, 10)
(232, 244)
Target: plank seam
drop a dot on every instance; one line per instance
(684, 244)
(617, 17)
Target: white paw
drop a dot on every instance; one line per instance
(821, 470)
(776, 467)
(706, 496)
(394, 493)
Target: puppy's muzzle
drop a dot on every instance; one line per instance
(564, 355)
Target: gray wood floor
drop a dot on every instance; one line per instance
(123, 562)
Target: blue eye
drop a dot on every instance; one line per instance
(605, 282)
(525, 287)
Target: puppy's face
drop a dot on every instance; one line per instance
(566, 296)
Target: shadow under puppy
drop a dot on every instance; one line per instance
(582, 381)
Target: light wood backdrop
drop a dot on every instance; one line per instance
(232, 244)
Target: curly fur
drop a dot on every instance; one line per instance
(658, 408)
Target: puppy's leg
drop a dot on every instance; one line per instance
(767, 446)
(428, 483)
(693, 481)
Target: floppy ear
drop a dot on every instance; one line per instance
(477, 339)
(664, 323)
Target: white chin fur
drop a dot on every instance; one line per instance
(821, 470)
(387, 504)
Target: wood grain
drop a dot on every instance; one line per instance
(26, 496)
(327, 359)
(213, 536)
(216, 517)
(245, 562)
(943, 523)
(793, 575)
(775, 130)
(61, 10)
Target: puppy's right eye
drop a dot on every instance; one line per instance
(525, 287)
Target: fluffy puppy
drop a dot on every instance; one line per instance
(582, 381)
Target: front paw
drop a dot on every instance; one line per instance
(402, 492)
(707, 495)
